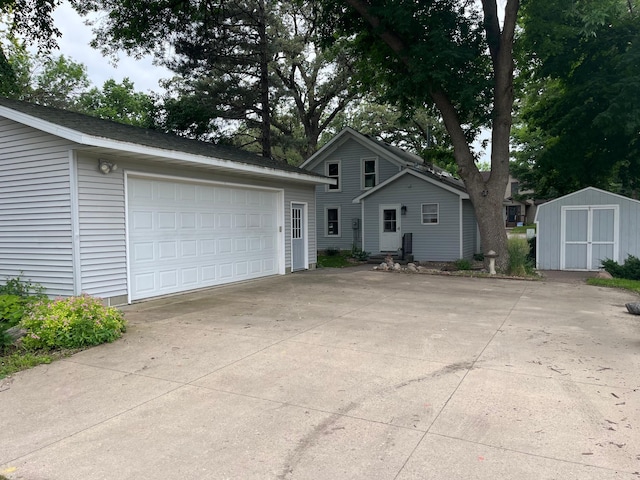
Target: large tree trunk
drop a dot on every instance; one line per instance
(487, 196)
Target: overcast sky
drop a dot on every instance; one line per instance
(74, 43)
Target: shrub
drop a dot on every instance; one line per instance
(12, 309)
(462, 264)
(630, 270)
(332, 252)
(72, 322)
(478, 257)
(519, 263)
(21, 288)
(532, 250)
(359, 254)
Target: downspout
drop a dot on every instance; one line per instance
(75, 223)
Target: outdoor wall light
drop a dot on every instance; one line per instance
(106, 167)
(403, 210)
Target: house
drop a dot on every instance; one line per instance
(383, 193)
(125, 213)
(517, 209)
(579, 230)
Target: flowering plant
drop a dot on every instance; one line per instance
(72, 322)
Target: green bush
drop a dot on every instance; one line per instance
(359, 254)
(519, 262)
(332, 252)
(532, 250)
(21, 288)
(462, 264)
(72, 322)
(630, 270)
(12, 308)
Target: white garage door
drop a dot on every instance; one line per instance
(185, 235)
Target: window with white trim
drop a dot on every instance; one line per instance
(430, 213)
(332, 221)
(332, 170)
(369, 172)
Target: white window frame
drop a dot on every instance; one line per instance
(362, 172)
(422, 213)
(339, 177)
(326, 221)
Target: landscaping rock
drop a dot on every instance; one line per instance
(604, 274)
(412, 268)
(633, 308)
(397, 267)
(16, 333)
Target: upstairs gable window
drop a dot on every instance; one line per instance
(369, 173)
(333, 171)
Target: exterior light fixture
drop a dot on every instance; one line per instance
(106, 167)
(403, 210)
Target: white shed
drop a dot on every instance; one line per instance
(579, 230)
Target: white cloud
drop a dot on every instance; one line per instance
(74, 43)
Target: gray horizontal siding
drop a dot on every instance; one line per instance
(549, 218)
(35, 208)
(439, 242)
(350, 155)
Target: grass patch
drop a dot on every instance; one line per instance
(17, 361)
(333, 261)
(632, 285)
(522, 229)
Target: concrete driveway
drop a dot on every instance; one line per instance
(343, 374)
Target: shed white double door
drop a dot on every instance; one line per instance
(187, 235)
(589, 235)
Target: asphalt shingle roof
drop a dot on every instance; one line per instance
(97, 127)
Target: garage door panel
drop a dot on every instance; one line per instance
(186, 236)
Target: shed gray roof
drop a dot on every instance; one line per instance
(107, 129)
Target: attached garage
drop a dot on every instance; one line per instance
(185, 235)
(125, 213)
(580, 230)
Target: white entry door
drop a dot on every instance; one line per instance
(390, 235)
(298, 237)
(184, 235)
(589, 235)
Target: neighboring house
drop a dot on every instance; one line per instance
(383, 193)
(579, 230)
(517, 209)
(125, 213)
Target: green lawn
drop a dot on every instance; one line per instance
(632, 285)
(334, 261)
(522, 229)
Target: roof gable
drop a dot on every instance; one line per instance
(395, 155)
(96, 132)
(449, 184)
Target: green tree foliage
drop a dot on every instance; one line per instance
(422, 133)
(119, 102)
(246, 69)
(55, 81)
(452, 54)
(580, 115)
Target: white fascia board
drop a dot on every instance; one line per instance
(344, 135)
(594, 189)
(462, 195)
(92, 141)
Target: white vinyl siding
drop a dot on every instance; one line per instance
(101, 214)
(35, 208)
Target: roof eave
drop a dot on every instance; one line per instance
(198, 160)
